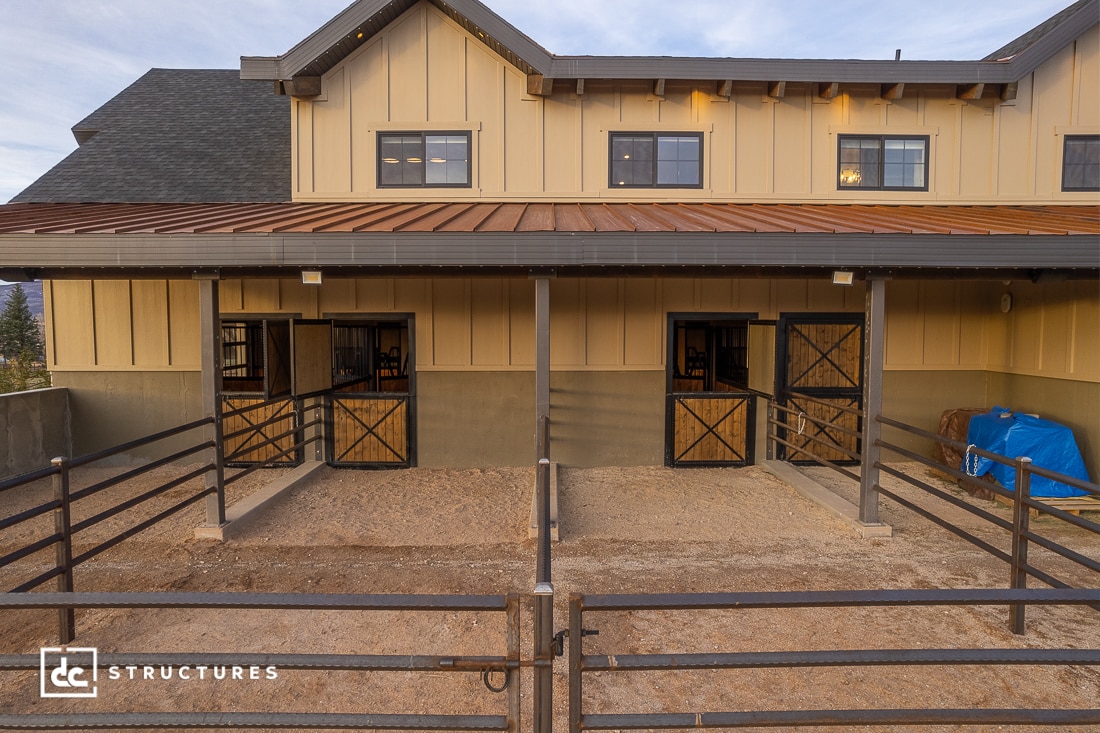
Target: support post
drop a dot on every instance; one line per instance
(211, 335)
(1020, 524)
(874, 334)
(62, 524)
(544, 598)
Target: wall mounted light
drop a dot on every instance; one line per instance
(843, 277)
(311, 277)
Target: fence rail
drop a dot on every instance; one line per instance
(508, 665)
(581, 663)
(1022, 536)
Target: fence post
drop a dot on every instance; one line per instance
(1020, 524)
(873, 356)
(513, 673)
(211, 348)
(62, 523)
(576, 661)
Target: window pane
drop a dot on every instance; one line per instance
(1081, 163)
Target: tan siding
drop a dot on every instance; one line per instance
(521, 322)
(407, 47)
(904, 324)
(484, 83)
(1085, 345)
(446, 69)
(1087, 77)
(567, 309)
(113, 335)
(368, 101)
(522, 136)
(488, 319)
(184, 342)
(450, 322)
(643, 323)
(940, 313)
(332, 141)
(425, 72)
(603, 323)
(336, 296)
(73, 322)
(150, 316)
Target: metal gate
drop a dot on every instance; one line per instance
(371, 430)
(821, 357)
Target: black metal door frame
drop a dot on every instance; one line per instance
(782, 388)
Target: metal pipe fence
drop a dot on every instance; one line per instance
(616, 663)
(60, 507)
(507, 665)
(1022, 534)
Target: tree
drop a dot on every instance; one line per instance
(20, 339)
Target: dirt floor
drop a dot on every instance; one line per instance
(622, 530)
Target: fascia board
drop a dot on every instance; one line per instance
(1054, 41)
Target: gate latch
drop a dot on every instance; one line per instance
(559, 639)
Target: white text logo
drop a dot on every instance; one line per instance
(68, 671)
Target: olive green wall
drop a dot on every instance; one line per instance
(109, 408)
(1071, 403)
(488, 418)
(920, 397)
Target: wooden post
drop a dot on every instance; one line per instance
(211, 335)
(874, 334)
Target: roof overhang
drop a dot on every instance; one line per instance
(174, 240)
(357, 24)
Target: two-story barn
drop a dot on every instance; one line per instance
(697, 231)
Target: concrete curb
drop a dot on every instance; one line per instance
(533, 529)
(246, 509)
(840, 508)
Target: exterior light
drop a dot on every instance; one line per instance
(843, 277)
(311, 277)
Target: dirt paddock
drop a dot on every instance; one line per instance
(622, 530)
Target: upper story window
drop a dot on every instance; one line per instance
(656, 160)
(883, 163)
(1081, 163)
(424, 159)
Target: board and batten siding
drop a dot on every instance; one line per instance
(596, 323)
(424, 72)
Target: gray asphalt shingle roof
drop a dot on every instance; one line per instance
(177, 135)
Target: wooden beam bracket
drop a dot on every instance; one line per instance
(828, 89)
(969, 91)
(659, 88)
(539, 85)
(303, 86)
(777, 89)
(893, 91)
(725, 88)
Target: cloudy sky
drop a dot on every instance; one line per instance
(64, 58)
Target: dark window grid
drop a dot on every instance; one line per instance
(424, 160)
(882, 163)
(1081, 163)
(656, 160)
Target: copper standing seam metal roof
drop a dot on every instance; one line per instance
(248, 218)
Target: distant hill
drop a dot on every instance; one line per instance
(34, 296)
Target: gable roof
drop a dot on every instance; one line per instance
(364, 19)
(181, 136)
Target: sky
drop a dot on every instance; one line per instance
(65, 58)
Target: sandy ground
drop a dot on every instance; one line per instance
(622, 530)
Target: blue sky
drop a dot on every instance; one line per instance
(65, 58)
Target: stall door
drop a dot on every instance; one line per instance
(822, 365)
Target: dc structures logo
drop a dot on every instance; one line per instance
(68, 671)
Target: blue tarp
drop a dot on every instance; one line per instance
(1048, 445)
